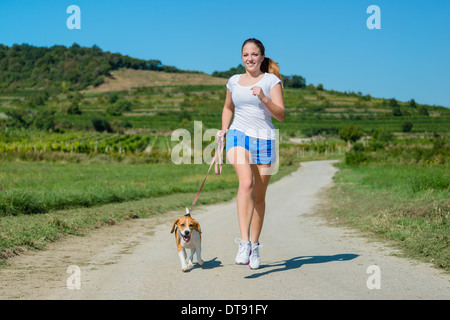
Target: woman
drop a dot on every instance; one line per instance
(254, 98)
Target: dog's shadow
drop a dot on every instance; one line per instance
(297, 262)
(210, 264)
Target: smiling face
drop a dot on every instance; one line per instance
(186, 226)
(252, 57)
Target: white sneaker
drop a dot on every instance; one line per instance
(243, 254)
(255, 260)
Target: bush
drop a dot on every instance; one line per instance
(294, 81)
(101, 125)
(382, 135)
(358, 147)
(396, 112)
(74, 108)
(45, 120)
(407, 126)
(118, 107)
(354, 158)
(351, 133)
(423, 111)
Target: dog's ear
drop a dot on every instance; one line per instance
(174, 224)
(197, 227)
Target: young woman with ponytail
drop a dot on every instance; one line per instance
(253, 98)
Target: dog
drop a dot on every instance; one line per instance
(187, 236)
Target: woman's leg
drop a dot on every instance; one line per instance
(261, 182)
(239, 158)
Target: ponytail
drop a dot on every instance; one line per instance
(268, 65)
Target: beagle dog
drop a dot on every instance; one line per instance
(187, 236)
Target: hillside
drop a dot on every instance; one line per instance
(87, 89)
(62, 68)
(125, 79)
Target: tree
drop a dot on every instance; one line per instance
(294, 81)
(45, 120)
(393, 103)
(101, 125)
(396, 112)
(382, 135)
(407, 126)
(232, 71)
(351, 133)
(74, 108)
(423, 111)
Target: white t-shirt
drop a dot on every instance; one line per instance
(250, 114)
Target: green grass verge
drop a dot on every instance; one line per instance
(406, 204)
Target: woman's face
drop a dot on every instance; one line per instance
(252, 57)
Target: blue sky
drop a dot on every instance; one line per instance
(325, 41)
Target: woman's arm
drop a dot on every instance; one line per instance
(228, 110)
(275, 105)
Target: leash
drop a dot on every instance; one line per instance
(217, 161)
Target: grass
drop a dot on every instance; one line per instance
(35, 187)
(406, 204)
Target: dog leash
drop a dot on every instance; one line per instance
(217, 161)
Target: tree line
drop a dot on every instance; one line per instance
(292, 81)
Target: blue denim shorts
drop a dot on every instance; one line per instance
(262, 151)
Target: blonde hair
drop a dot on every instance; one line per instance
(268, 65)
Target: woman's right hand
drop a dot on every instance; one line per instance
(220, 136)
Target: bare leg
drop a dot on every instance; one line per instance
(259, 198)
(240, 160)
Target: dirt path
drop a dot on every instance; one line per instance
(302, 257)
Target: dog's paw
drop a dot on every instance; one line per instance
(200, 262)
(190, 265)
(184, 269)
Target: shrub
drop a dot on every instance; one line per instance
(351, 133)
(407, 126)
(101, 125)
(354, 158)
(45, 120)
(383, 136)
(118, 107)
(396, 112)
(74, 108)
(423, 111)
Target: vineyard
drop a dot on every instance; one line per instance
(16, 140)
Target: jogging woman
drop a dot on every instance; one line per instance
(254, 98)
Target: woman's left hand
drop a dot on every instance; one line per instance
(257, 91)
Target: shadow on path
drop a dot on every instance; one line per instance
(297, 262)
(211, 264)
